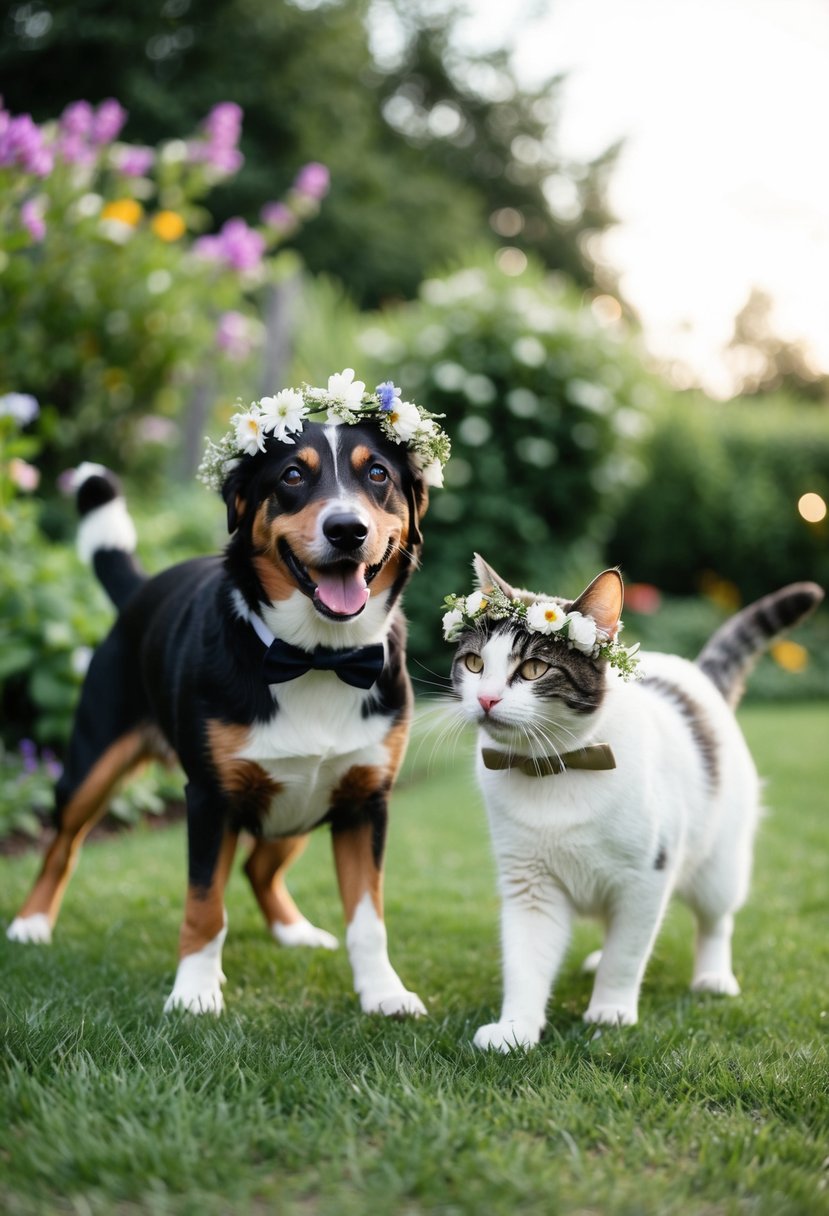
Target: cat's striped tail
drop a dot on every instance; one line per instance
(729, 654)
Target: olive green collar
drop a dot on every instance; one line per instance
(595, 758)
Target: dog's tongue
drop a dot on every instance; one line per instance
(344, 591)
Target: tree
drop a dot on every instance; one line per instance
(424, 155)
(764, 361)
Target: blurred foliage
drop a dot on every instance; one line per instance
(114, 314)
(721, 495)
(545, 407)
(767, 363)
(423, 149)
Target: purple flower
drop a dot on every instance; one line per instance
(239, 246)
(78, 119)
(389, 396)
(134, 160)
(28, 754)
(51, 763)
(108, 121)
(223, 124)
(31, 217)
(277, 215)
(74, 149)
(22, 144)
(313, 180)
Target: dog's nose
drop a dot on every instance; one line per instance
(345, 531)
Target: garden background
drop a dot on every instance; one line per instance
(206, 200)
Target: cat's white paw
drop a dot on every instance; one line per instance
(35, 929)
(303, 933)
(506, 1036)
(611, 1015)
(721, 982)
(400, 1004)
(591, 963)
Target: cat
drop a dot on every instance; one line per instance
(605, 794)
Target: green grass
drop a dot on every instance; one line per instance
(295, 1103)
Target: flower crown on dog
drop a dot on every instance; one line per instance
(574, 629)
(344, 401)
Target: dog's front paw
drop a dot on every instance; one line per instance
(506, 1036)
(192, 999)
(399, 1004)
(616, 1014)
(723, 983)
(303, 933)
(36, 929)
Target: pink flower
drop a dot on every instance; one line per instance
(239, 246)
(22, 144)
(78, 118)
(108, 120)
(134, 160)
(313, 180)
(277, 215)
(223, 124)
(24, 475)
(31, 217)
(234, 335)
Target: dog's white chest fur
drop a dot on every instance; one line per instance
(316, 735)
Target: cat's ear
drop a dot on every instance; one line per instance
(603, 600)
(488, 578)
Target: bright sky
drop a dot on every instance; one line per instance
(724, 180)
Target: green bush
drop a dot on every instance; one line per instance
(721, 495)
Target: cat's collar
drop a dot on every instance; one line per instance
(595, 758)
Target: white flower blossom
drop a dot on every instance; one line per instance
(405, 420)
(582, 632)
(283, 414)
(433, 474)
(475, 603)
(250, 434)
(546, 617)
(344, 388)
(452, 623)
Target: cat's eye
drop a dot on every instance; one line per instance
(473, 662)
(533, 669)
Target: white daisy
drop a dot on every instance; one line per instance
(475, 603)
(546, 617)
(250, 434)
(405, 420)
(433, 474)
(344, 388)
(283, 414)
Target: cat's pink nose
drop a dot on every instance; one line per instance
(488, 702)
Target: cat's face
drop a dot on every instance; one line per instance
(525, 688)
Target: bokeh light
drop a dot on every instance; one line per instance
(812, 508)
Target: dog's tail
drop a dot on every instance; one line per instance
(106, 534)
(729, 654)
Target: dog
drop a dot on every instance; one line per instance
(276, 675)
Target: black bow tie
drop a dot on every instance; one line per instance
(360, 666)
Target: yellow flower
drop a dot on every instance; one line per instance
(125, 210)
(168, 225)
(791, 656)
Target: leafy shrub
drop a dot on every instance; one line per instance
(115, 312)
(721, 497)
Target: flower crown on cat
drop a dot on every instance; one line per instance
(591, 628)
(344, 401)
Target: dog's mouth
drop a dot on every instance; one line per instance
(340, 591)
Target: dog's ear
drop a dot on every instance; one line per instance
(417, 500)
(234, 492)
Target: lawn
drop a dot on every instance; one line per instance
(295, 1103)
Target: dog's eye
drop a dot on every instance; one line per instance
(292, 476)
(533, 669)
(473, 663)
(377, 474)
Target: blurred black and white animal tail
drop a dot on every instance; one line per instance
(106, 534)
(730, 653)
